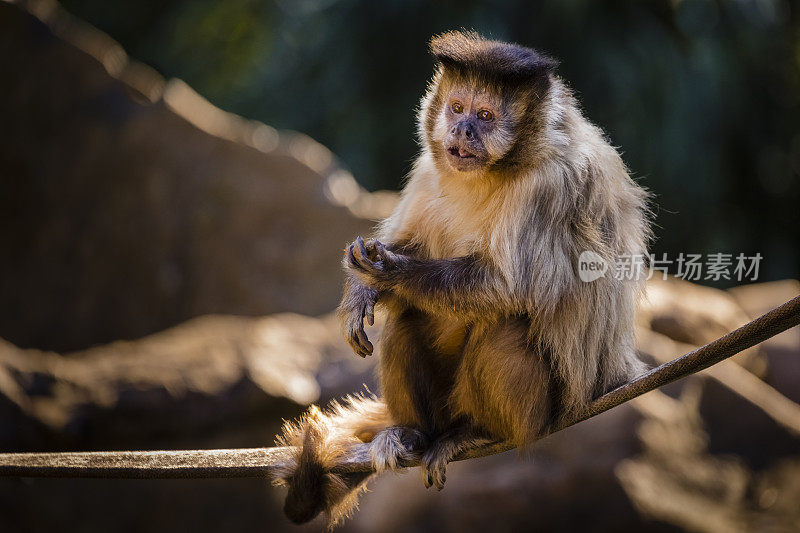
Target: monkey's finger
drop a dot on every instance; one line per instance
(353, 252)
(358, 338)
(355, 342)
(381, 249)
(385, 256)
(362, 255)
(369, 313)
(353, 259)
(356, 347)
(358, 260)
(362, 352)
(363, 340)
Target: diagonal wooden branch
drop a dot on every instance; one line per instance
(259, 462)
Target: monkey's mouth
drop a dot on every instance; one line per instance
(461, 153)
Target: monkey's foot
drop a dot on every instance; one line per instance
(434, 467)
(444, 449)
(395, 447)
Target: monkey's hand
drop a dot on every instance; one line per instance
(370, 261)
(357, 305)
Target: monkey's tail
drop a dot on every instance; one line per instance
(322, 438)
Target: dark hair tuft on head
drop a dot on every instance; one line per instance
(468, 51)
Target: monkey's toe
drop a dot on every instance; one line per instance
(434, 471)
(434, 468)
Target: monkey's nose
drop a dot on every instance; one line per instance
(463, 128)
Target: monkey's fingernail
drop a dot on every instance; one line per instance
(353, 259)
(361, 248)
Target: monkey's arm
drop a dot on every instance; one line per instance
(463, 285)
(357, 305)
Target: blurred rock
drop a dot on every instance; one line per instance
(721, 456)
(763, 405)
(677, 480)
(781, 350)
(689, 313)
(210, 372)
(694, 315)
(129, 203)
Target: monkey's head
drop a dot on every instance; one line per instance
(478, 112)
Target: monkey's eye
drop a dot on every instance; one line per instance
(485, 115)
(457, 107)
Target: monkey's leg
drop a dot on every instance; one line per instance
(504, 384)
(433, 464)
(415, 385)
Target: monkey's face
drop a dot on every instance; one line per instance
(472, 128)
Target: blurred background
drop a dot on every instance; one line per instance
(178, 179)
(703, 97)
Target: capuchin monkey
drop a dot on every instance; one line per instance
(490, 333)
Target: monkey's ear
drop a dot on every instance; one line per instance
(471, 52)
